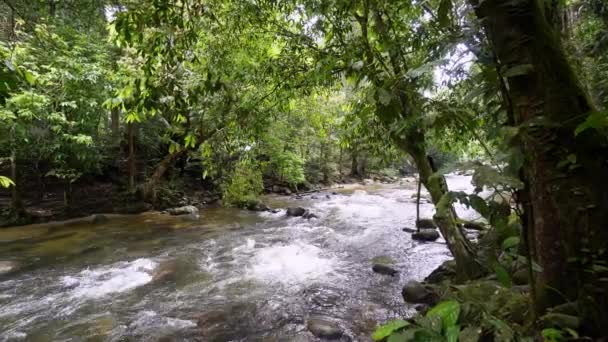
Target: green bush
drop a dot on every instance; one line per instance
(244, 185)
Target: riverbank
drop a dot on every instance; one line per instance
(96, 197)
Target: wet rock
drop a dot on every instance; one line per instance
(421, 308)
(309, 215)
(445, 271)
(165, 271)
(521, 276)
(8, 267)
(426, 224)
(299, 197)
(257, 206)
(100, 219)
(286, 191)
(384, 269)
(334, 193)
(416, 292)
(313, 197)
(185, 210)
(295, 211)
(323, 327)
(327, 196)
(426, 235)
(275, 211)
(409, 230)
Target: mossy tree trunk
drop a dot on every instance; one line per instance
(567, 192)
(400, 103)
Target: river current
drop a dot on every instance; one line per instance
(231, 275)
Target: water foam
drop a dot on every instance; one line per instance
(294, 263)
(119, 277)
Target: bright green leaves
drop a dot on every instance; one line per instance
(6, 182)
(595, 120)
(444, 12)
(439, 324)
(387, 329)
(448, 311)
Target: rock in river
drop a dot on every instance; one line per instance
(323, 327)
(384, 269)
(416, 292)
(296, 211)
(426, 224)
(185, 210)
(426, 235)
(7, 267)
(166, 270)
(100, 219)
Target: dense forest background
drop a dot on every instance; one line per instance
(128, 105)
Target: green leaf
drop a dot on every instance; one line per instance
(397, 337)
(443, 13)
(387, 329)
(510, 242)
(469, 334)
(552, 335)
(518, 70)
(595, 120)
(384, 96)
(29, 77)
(6, 182)
(448, 311)
(451, 333)
(503, 276)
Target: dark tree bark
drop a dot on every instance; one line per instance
(131, 162)
(115, 122)
(16, 202)
(568, 201)
(159, 171)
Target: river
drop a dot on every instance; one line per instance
(231, 275)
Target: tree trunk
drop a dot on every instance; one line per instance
(568, 197)
(16, 202)
(159, 171)
(467, 266)
(131, 133)
(115, 122)
(418, 200)
(354, 165)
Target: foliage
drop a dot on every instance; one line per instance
(244, 185)
(439, 324)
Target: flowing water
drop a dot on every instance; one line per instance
(231, 275)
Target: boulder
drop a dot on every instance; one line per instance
(286, 191)
(324, 327)
(276, 189)
(384, 269)
(309, 215)
(313, 197)
(257, 206)
(521, 276)
(8, 267)
(367, 181)
(274, 211)
(296, 211)
(426, 224)
(334, 193)
(445, 271)
(416, 292)
(165, 271)
(425, 235)
(185, 210)
(100, 219)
